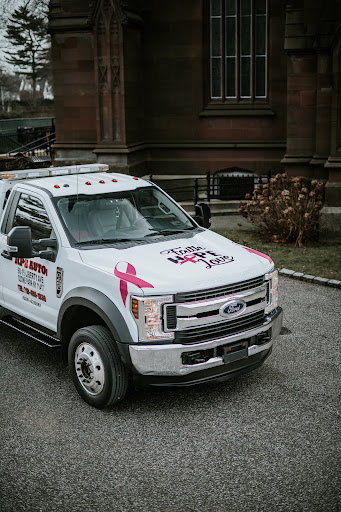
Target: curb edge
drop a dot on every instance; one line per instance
(308, 278)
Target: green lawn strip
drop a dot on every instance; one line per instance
(316, 259)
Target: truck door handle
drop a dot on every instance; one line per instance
(5, 254)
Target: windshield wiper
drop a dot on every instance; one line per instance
(169, 232)
(163, 232)
(103, 241)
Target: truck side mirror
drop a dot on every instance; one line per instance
(19, 242)
(203, 215)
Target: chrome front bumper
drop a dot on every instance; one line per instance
(166, 360)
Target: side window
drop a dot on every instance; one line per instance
(30, 212)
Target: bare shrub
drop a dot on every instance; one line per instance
(286, 210)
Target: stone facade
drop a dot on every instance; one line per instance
(131, 82)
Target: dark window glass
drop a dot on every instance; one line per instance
(245, 6)
(231, 77)
(31, 212)
(260, 76)
(245, 35)
(230, 7)
(216, 78)
(238, 49)
(216, 37)
(230, 37)
(215, 8)
(260, 6)
(245, 88)
(260, 35)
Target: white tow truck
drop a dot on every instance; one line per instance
(114, 272)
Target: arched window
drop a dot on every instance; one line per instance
(238, 50)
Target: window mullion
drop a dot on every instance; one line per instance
(238, 32)
(253, 51)
(223, 51)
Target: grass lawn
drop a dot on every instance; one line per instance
(317, 259)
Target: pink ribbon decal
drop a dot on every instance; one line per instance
(129, 277)
(187, 258)
(259, 254)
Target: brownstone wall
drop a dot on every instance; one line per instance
(135, 95)
(186, 136)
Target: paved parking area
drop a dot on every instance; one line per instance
(267, 441)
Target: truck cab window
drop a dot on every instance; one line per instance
(30, 212)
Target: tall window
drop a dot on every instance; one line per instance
(238, 49)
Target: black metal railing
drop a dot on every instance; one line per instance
(187, 188)
(224, 187)
(38, 147)
(8, 141)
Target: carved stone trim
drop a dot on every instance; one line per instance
(102, 74)
(115, 72)
(118, 7)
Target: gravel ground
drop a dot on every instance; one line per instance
(266, 441)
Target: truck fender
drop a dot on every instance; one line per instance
(102, 306)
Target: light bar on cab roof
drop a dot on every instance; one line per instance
(53, 171)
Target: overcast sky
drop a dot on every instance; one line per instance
(6, 8)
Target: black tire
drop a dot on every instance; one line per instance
(96, 368)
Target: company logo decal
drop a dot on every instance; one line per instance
(31, 265)
(59, 281)
(196, 255)
(232, 308)
(129, 276)
(31, 280)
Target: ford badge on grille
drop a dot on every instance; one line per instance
(232, 308)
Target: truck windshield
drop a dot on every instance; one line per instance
(119, 216)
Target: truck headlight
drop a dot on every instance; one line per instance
(148, 314)
(272, 295)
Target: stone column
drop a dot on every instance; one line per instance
(301, 94)
(331, 213)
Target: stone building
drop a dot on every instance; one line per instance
(185, 87)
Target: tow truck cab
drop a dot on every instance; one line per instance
(113, 271)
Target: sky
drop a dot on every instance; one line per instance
(6, 8)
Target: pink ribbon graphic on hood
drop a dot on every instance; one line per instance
(259, 254)
(253, 251)
(129, 277)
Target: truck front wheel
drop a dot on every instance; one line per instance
(97, 371)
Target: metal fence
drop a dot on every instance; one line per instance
(224, 186)
(37, 147)
(24, 135)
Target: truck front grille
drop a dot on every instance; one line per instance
(219, 291)
(221, 330)
(171, 317)
(196, 317)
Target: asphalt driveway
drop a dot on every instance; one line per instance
(267, 441)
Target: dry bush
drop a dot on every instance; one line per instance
(286, 209)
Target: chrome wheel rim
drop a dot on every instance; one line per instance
(89, 368)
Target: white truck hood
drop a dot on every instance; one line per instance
(205, 260)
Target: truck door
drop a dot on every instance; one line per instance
(29, 285)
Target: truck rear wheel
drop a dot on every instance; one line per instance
(97, 371)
